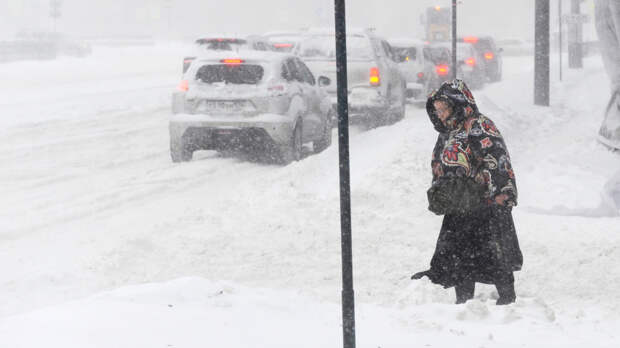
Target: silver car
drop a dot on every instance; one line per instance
(377, 89)
(415, 65)
(265, 101)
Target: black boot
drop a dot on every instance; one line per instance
(419, 275)
(506, 293)
(464, 292)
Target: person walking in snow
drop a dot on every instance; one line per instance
(474, 188)
(607, 13)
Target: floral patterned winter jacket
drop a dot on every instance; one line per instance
(471, 145)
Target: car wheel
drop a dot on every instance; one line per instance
(179, 151)
(326, 137)
(292, 151)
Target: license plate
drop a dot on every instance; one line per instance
(224, 132)
(220, 106)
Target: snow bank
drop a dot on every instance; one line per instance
(91, 203)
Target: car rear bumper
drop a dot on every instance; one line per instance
(364, 101)
(211, 130)
(416, 91)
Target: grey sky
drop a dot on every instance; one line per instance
(190, 18)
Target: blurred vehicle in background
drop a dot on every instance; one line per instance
(377, 89)
(24, 49)
(516, 47)
(263, 101)
(415, 66)
(490, 54)
(42, 45)
(439, 56)
(73, 48)
(283, 41)
(224, 43)
(470, 64)
(437, 22)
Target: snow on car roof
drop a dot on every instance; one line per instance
(282, 33)
(405, 41)
(332, 31)
(241, 54)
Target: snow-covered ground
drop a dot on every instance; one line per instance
(105, 243)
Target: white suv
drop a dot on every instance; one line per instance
(261, 100)
(415, 65)
(377, 89)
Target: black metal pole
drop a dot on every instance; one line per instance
(541, 54)
(560, 34)
(348, 302)
(454, 38)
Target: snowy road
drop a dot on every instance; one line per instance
(91, 202)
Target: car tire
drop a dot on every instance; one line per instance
(179, 151)
(326, 137)
(292, 151)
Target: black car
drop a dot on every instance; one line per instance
(491, 54)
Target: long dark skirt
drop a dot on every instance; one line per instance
(481, 247)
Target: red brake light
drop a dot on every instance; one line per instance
(442, 69)
(470, 61)
(420, 75)
(232, 61)
(375, 79)
(183, 86)
(470, 39)
(283, 45)
(488, 55)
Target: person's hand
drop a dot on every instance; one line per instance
(501, 198)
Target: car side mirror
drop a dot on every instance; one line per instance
(324, 81)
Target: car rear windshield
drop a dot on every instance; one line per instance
(484, 45)
(243, 74)
(437, 55)
(223, 44)
(324, 47)
(405, 53)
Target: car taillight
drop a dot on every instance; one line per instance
(420, 75)
(488, 55)
(183, 86)
(470, 39)
(442, 69)
(283, 45)
(375, 79)
(470, 61)
(232, 61)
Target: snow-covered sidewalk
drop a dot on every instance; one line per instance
(105, 243)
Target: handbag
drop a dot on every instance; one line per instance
(455, 195)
